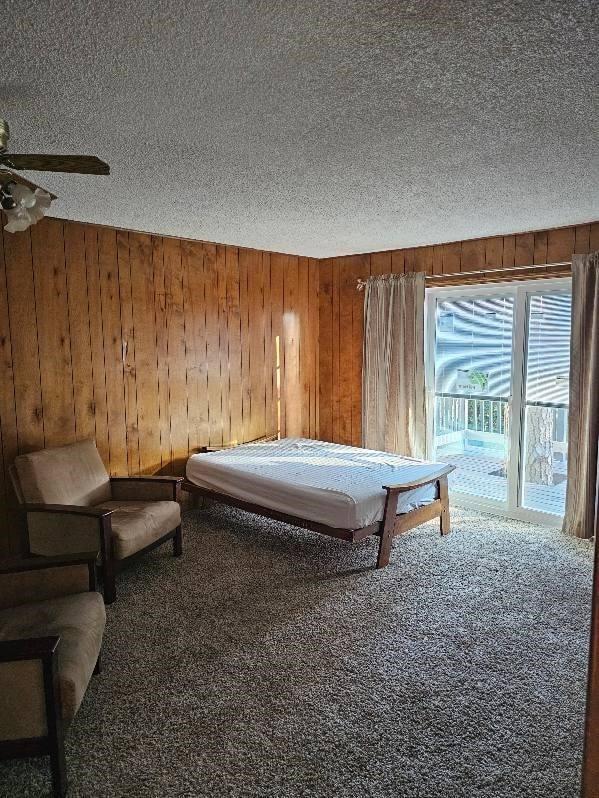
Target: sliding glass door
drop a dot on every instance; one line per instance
(472, 393)
(497, 375)
(545, 435)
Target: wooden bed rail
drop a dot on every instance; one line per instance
(391, 525)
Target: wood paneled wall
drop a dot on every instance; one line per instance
(341, 306)
(153, 346)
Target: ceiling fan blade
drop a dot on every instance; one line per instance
(83, 164)
(7, 176)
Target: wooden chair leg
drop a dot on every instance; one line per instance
(59, 770)
(387, 527)
(444, 497)
(109, 581)
(178, 542)
(108, 569)
(58, 767)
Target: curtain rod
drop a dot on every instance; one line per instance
(495, 275)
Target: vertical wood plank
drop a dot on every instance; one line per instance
(223, 342)
(473, 255)
(269, 370)
(560, 245)
(409, 260)
(594, 237)
(304, 348)
(257, 337)
(438, 259)
(398, 261)
(291, 384)
(359, 268)
(494, 252)
(380, 263)
(347, 288)
(113, 350)
(10, 521)
(509, 252)
(97, 342)
(234, 337)
(79, 326)
(161, 350)
(582, 237)
(176, 357)
(452, 257)
(313, 326)
(540, 247)
(423, 260)
(24, 343)
(525, 248)
(325, 350)
(146, 366)
(54, 339)
(278, 264)
(215, 286)
(196, 355)
(128, 350)
(246, 263)
(337, 333)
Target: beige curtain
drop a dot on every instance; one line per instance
(583, 421)
(393, 400)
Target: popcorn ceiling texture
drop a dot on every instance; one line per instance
(318, 128)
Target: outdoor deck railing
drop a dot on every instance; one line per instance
(489, 415)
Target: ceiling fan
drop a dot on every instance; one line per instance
(25, 202)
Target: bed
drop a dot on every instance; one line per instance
(342, 491)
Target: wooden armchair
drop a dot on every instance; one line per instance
(51, 627)
(72, 504)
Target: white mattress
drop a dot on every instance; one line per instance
(339, 486)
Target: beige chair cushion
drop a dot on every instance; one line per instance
(72, 474)
(137, 524)
(79, 620)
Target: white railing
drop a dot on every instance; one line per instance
(456, 417)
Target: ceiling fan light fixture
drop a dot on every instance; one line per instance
(30, 207)
(22, 201)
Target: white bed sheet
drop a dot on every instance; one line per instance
(339, 486)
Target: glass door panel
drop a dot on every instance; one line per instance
(472, 392)
(545, 438)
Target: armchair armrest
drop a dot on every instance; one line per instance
(64, 529)
(67, 509)
(146, 488)
(39, 578)
(28, 648)
(15, 565)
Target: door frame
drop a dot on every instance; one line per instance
(520, 290)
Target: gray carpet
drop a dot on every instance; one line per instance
(274, 662)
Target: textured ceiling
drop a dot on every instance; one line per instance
(316, 128)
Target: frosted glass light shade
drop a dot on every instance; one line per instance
(31, 207)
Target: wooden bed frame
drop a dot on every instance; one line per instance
(391, 524)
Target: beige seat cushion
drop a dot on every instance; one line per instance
(137, 524)
(79, 619)
(72, 474)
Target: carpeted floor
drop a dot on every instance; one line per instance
(274, 662)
